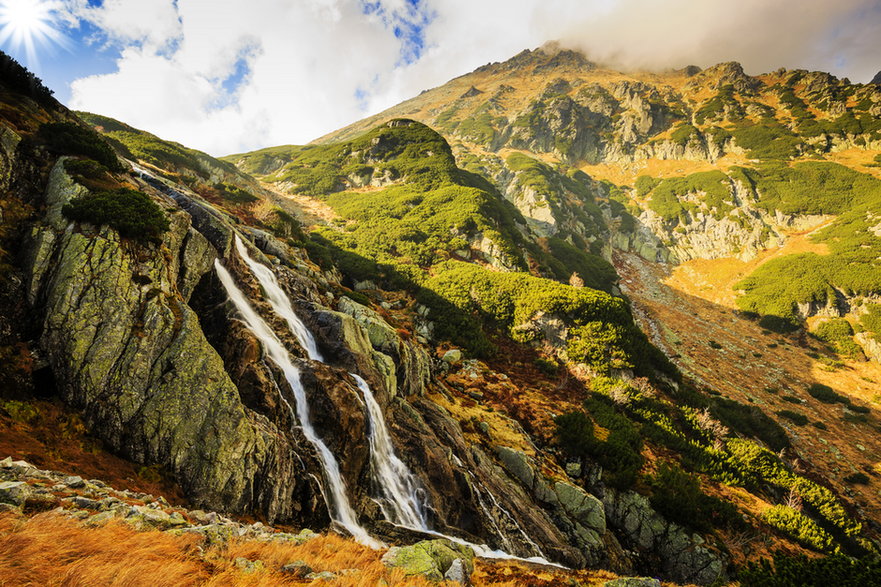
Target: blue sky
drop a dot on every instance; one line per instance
(230, 75)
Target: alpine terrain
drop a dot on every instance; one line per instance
(548, 323)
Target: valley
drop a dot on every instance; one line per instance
(546, 322)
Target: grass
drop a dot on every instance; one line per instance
(49, 549)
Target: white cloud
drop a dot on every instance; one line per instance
(153, 22)
(315, 65)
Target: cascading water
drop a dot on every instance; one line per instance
(280, 302)
(339, 506)
(401, 504)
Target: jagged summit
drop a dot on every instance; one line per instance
(724, 74)
(877, 79)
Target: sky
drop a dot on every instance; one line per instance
(228, 76)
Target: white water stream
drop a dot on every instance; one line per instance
(401, 503)
(338, 502)
(280, 302)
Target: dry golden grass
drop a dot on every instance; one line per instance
(50, 549)
(626, 173)
(309, 211)
(858, 159)
(713, 279)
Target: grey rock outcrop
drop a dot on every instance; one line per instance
(678, 554)
(131, 354)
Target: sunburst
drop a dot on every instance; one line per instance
(29, 24)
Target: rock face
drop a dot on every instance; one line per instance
(128, 350)
(26, 487)
(681, 556)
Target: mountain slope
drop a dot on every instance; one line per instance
(700, 170)
(472, 293)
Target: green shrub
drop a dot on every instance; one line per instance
(235, 194)
(795, 417)
(712, 188)
(69, 138)
(132, 213)
(645, 184)
(168, 155)
(602, 332)
(750, 420)
(800, 527)
(548, 367)
(677, 496)
(858, 478)
(826, 394)
(24, 412)
(620, 454)
(18, 79)
(803, 571)
(838, 333)
(574, 432)
(595, 271)
(769, 140)
(871, 320)
(87, 168)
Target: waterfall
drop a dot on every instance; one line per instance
(338, 501)
(280, 302)
(400, 504)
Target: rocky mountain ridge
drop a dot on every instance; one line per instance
(473, 292)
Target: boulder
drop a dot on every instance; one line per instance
(457, 573)
(430, 558)
(517, 464)
(297, 569)
(14, 492)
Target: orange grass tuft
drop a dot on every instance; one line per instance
(50, 549)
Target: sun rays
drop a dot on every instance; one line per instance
(27, 25)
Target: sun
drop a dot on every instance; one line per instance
(27, 24)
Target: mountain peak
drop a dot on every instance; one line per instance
(724, 74)
(877, 79)
(545, 58)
